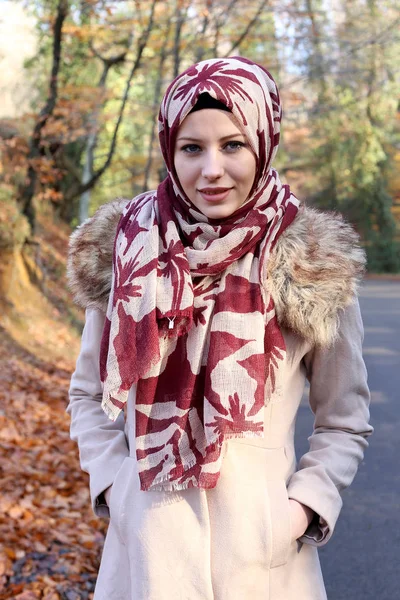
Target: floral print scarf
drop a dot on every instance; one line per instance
(189, 320)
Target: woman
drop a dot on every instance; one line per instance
(209, 302)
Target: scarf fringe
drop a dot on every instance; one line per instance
(108, 410)
(165, 484)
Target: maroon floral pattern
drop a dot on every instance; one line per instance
(189, 321)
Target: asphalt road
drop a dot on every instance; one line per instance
(362, 560)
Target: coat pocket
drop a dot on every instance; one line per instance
(279, 523)
(253, 501)
(118, 491)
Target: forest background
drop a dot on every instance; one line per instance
(78, 127)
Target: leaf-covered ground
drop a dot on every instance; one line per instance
(50, 541)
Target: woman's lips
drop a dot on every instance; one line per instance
(214, 194)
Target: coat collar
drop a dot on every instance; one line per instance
(312, 273)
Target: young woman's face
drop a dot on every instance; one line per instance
(214, 162)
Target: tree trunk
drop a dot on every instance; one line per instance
(84, 201)
(91, 144)
(156, 100)
(317, 71)
(180, 17)
(27, 192)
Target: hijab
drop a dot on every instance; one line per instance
(189, 320)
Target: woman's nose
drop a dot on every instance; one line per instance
(213, 165)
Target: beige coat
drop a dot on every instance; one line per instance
(234, 542)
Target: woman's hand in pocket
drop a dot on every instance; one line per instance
(300, 518)
(107, 495)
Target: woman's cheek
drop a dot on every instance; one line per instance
(185, 175)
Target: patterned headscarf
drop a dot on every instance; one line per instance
(189, 319)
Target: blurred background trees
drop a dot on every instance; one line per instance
(87, 130)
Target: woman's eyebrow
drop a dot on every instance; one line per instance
(225, 137)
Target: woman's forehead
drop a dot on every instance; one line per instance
(209, 122)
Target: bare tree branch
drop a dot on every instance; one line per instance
(142, 42)
(111, 60)
(249, 27)
(91, 143)
(218, 21)
(380, 39)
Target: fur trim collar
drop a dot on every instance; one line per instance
(312, 273)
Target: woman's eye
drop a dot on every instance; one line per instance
(231, 147)
(234, 146)
(190, 148)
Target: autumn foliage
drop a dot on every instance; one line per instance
(50, 540)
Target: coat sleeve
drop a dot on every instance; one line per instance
(102, 442)
(339, 399)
